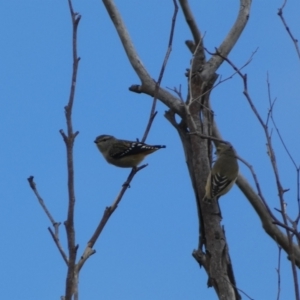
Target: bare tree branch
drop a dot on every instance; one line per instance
(267, 221)
(295, 41)
(55, 234)
(69, 138)
(148, 84)
(260, 194)
(278, 273)
(71, 283)
(56, 240)
(297, 168)
(280, 189)
(199, 120)
(32, 184)
(288, 244)
(235, 71)
(196, 125)
(109, 210)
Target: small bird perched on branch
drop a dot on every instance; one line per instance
(122, 153)
(223, 173)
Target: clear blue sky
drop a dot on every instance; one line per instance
(145, 249)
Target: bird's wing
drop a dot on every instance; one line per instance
(219, 183)
(133, 148)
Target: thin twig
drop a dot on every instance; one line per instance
(59, 246)
(177, 92)
(275, 126)
(40, 199)
(55, 234)
(282, 202)
(235, 70)
(260, 194)
(284, 145)
(295, 41)
(162, 70)
(273, 161)
(278, 273)
(109, 210)
(265, 128)
(245, 294)
(290, 229)
(222, 80)
(106, 215)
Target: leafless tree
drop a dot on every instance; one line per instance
(198, 131)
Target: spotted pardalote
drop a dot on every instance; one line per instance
(123, 153)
